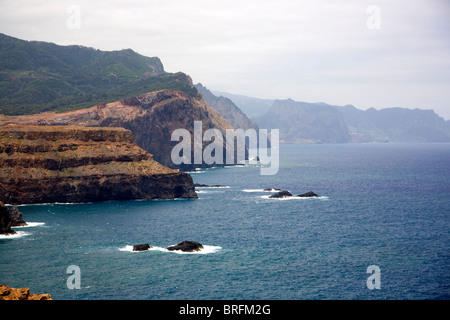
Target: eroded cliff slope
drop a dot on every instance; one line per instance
(152, 117)
(42, 164)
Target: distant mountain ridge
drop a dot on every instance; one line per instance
(312, 122)
(301, 122)
(395, 125)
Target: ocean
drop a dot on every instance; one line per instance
(384, 205)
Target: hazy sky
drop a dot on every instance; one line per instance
(388, 53)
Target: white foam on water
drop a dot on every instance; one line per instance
(213, 187)
(18, 234)
(31, 224)
(295, 198)
(130, 249)
(206, 250)
(261, 190)
(253, 190)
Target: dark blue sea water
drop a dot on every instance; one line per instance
(382, 204)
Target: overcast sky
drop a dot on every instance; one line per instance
(367, 53)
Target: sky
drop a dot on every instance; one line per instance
(371, 54)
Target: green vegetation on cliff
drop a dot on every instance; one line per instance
(39, 76)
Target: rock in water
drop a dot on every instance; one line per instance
(16, 217)
(186, 246)
(141, 247)
(281, 194)
(308, 194)
(5, 220)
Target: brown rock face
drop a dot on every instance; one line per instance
(151, 117)
(7, 293)
(45, 164)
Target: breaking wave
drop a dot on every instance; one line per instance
(206, 250)
(18, 234)
(295, 198)
(31, 224)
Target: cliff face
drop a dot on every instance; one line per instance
(152, 117)
(44, 164)
(227, 109)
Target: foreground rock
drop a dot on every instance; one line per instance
(7, 293)
(186, 246)
(281, 194)
(308, 195)
(141, 247)
(46, 164)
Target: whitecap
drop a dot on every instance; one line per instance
(31, 224)
(213, 187)
(253, 190)
(130, 249)
(295, 198)
(206, 250)
(18, 234)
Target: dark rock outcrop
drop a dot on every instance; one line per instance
(16, 217)
(141, 247)
(187, 246)
(281, 194)
(308, 195)
(45, 164)
(8, 293)
(5, 220)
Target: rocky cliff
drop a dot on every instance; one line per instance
(152, 117)
(227, 109)
(42, 164)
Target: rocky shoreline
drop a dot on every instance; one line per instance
(8, 293)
